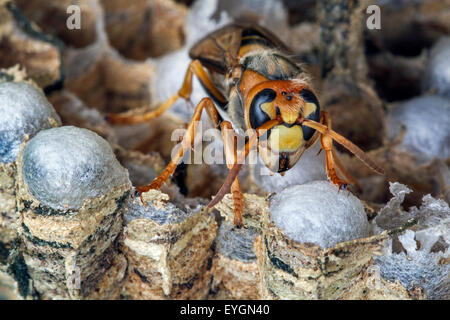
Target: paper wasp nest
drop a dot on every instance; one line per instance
(421, 263)
(25, 111)
(319, 213)
(235, 270)
(438, 71)
(73, 227)
(69, 202)
(86, 167)
(22, 43)
(168, 249)
(424, 136)
(51, 17)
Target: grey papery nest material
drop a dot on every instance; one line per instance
(62, 167)
(320, 213)
(25, 110)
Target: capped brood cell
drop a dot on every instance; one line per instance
(24, 111)
(70, 190)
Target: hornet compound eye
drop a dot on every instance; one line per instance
(261, 108)
(311, 111)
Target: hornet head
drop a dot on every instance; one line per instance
(291, 102)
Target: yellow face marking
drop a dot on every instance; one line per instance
(284, 139)
(309, 109)
(269, 109)
(289, 116)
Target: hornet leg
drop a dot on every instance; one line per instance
(230, 146)
(195, 67)
(187, 143)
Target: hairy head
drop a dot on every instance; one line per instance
(291, 102)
